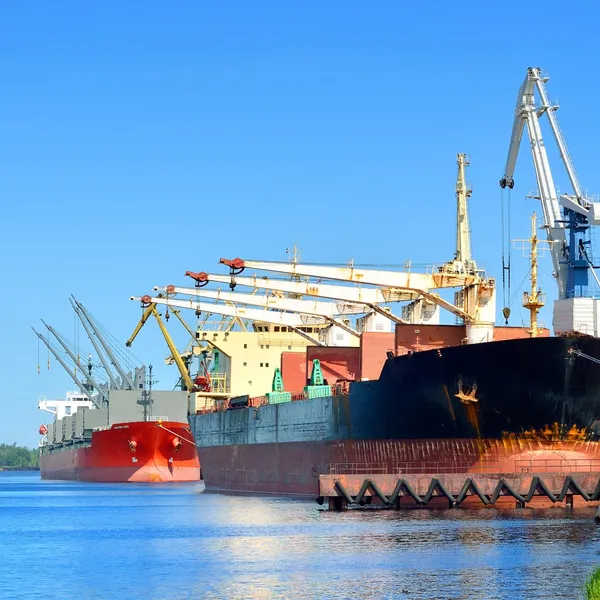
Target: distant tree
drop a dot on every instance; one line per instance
(13, 456)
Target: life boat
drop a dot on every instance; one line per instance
(43, 429)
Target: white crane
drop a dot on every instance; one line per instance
(476, 302)
(292, 320)
(370, 297)
(327, 310)
(102, 398)
(84, 315)
(567, 233)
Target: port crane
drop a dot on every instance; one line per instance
(567, 232)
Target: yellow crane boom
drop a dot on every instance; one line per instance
(150, 310)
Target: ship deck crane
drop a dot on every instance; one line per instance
(370, 297)
(150, 310)
(477, 307)
(291, 320)
(116, 385)
(327, 310)
(126, 378)
(177, 313)
(567, 233)
(82, 386)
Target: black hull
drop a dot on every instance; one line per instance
(522, 386)
(493, 407)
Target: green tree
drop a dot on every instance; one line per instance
(13, 456)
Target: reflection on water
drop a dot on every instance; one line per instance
(77, 540)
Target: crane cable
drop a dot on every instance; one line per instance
(506, 264)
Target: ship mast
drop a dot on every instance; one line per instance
(534, 300)
(463, 236)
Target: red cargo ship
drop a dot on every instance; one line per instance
(143, 451)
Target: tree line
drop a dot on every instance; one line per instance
(14, 457)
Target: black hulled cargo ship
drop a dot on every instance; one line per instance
(465, 398)
(494, 407)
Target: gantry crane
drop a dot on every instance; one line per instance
(567, 233)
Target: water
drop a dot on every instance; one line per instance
(61, 540)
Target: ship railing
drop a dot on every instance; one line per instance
(357, 468)
(153, 419)
(554, 465)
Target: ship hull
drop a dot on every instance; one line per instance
(496, 407)
(293, 468)
(134, 452)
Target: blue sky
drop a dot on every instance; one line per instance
(141, 140)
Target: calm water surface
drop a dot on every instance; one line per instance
(61, 540)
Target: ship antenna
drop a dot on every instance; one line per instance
(294, 253)
(146, 400)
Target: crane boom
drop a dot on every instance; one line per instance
(149, 311)
(64, 344)
(124, 375)
(327, 310)
(189, 384)
(79, 383)
(291, 320)
(477, 308)
(177, 313)
(416, 282)
(356, 295)
(309, 307)
(112, 378)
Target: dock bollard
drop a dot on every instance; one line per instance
(597, 516)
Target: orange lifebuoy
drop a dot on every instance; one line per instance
(43, 429)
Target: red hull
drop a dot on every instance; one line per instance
(293, 468)
(138, 451)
